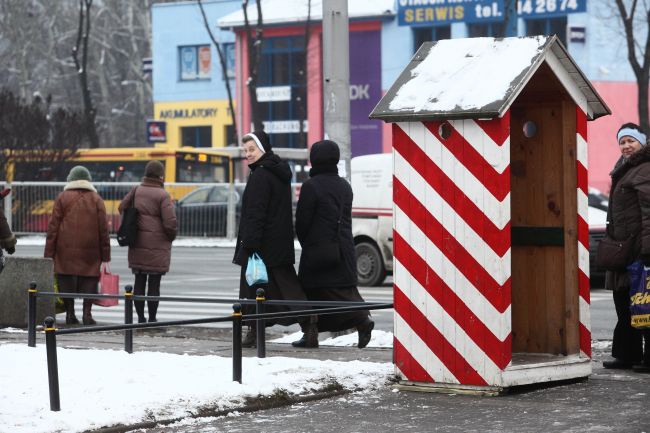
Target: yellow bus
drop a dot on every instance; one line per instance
(127, 164)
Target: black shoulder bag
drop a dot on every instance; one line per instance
(128, 231)
(324, 255)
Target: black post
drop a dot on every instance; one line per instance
(52, 365)
(261, 324)
(128, 318)
(236, 343)
(31, 314)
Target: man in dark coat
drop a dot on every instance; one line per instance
(266, 228)
(324, 228)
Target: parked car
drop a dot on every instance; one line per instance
(204, 211)
(597, 223)
(372, 220)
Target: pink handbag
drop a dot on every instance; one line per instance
(109, 284)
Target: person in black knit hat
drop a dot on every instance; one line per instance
(266, 228)
(328, 270)
(149, 258)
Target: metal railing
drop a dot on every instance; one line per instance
(202, 209)
(237, 319)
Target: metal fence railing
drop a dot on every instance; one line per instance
(310, 308)
(202, 209)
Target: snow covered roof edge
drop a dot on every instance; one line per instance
(388, 111)
(291, 12)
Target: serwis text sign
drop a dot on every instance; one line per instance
(444, 12)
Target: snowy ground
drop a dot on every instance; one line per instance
(105, 387)
(39, 240)
(379, 339)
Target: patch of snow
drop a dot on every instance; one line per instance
(449, 77)
(601, 344)
(37, 240)
(13, 330)
(378, 339)
(105, 387)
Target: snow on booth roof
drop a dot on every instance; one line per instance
(480, 78)
(276, 12)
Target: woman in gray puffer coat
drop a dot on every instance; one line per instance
(628, 216)
(150, 256)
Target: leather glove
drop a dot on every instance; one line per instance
(9, 244)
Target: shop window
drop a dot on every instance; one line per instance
(428, 34)
(194, 62)
(550, 26)
(196, 136)
(228, 51)
(490, 30)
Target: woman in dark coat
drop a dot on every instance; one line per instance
(628, 215)
(150, 256)
(266, 228)
(77, 240)
(323, 226)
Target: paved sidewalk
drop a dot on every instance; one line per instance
(609, 401)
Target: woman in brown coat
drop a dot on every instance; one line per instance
(77, 240)
(150, 256)
(628, 217)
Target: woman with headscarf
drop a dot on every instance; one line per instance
(149, 257)
(324, 227)
(266, 228)
(628, 217)
(77, 240)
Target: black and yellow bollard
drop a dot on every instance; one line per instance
(260, 324)
(236, 343)
(128, 318)
(31, 314)
(52, 364)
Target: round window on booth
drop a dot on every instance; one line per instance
(530, 129)
(444, 130)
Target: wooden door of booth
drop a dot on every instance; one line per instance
(545, 309)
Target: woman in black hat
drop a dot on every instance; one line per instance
(266, 228)
(324, 228)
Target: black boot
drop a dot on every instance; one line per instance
(87, 317)
(139, 308)
(70, 317)
(309, 337)
(365, 332)
(250, 340)
(152, 306)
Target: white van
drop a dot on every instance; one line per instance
(372, 217)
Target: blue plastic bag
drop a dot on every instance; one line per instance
(639, 295)
(256, 271)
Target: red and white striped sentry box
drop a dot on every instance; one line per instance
(491, 241)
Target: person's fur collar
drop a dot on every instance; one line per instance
(623, 165)
(80, 184)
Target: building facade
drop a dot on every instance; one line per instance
(384, 35)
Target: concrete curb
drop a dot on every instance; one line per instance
(254, 405)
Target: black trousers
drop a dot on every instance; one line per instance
(628, 342)
(154, 290)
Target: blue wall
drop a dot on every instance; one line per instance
(178, 24)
